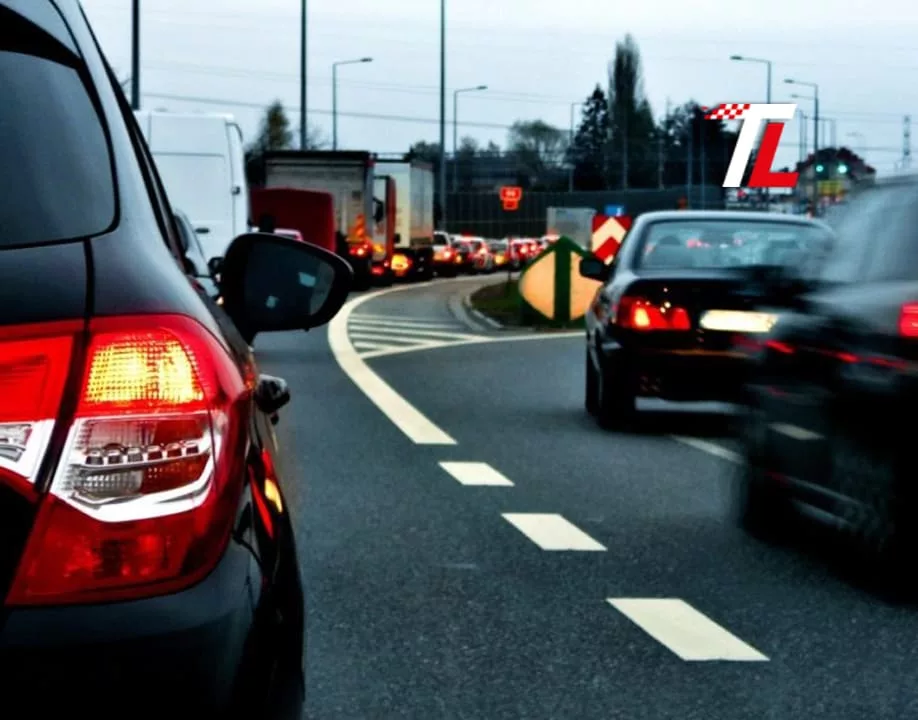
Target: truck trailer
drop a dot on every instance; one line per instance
(348, 177)
(414, 217)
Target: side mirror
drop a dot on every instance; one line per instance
(593, 268)
(271, 283)
(215, 266)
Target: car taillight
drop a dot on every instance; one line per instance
(641, 314)
(908, 320)
(145, 494)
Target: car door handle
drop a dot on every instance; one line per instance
(202, 230)
(271, 394)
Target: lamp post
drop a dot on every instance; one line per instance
(570, 144)
(766, 63)
(335, 94)
(815, 98)
(135, 55)
(456, 94)
(303, 131)
(442, 177)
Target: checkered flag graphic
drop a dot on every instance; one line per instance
(727, 111)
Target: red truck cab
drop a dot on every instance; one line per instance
(310, 212)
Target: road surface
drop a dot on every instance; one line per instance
(475, 548)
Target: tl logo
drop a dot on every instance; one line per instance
(752, 116)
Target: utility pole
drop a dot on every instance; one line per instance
(442, 115)
(135, 55)
(701, 126)
(303, 127)
(660, 161)
(906, 142)
(690, 163)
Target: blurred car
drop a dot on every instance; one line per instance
(463, 253)
(826, 430)
(445, 260)
(522, 251)
(500, 250)
(664, 321)
(145, 538)
(480, 256)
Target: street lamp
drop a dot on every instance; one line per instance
(766, 63)
(303, 132)
(442, 177)
(570, 144)
(335, 94)
(456, 94)
(815, 88)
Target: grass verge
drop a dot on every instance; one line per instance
(502, 302)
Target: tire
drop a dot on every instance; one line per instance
(616, 400)
(591, 398)
(762, 508)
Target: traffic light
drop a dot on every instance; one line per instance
(842, 169)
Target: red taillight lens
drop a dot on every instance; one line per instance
(640, 314)
(34, 365)
(908, 320)
(145, 493)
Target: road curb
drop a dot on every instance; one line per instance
(461, 307)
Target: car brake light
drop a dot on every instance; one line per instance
(908, 320)
(145, 494)
(641, 314)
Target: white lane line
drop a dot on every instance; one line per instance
(707, 447)
(363, 345)
(684, 630)
(476, 473)
(393, 340)
(403, 414)
(405, 332)
(795, 432)
(552, 532)
(399, 323)
(482, 340)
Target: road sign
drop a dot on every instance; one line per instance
(510, 197)
(553, 286)
(608, 233)
(614, 210)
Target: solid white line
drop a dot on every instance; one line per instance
(483, 340)
(406, 332)
(404, 325)
(361, 345)
(552, 532)
(476, 473)
(393, 340)
(403, 414)
(684, 630)
(795, 432)
(708, 447)
(400, 320)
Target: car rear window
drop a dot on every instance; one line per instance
(55, 164)
(727, 243)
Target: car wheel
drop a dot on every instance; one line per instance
(591, 399)
(616, 400)
(761, 506)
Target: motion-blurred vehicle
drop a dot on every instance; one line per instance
(665, 317)
(480, 255)
(522, 251)
(445, 259)
(463, 253)
(148, 564)
(500, 249)
(832, 387)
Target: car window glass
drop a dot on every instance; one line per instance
(895, 255)
(55, 161)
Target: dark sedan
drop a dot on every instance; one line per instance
(680, 291)
(828, 430)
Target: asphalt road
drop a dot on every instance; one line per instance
(430, 596)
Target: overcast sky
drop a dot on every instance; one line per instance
(536, 57)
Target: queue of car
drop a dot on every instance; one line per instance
(470, 255)
(810, 329)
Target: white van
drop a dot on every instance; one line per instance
(201, 160)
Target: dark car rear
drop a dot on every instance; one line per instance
(680, 293)
(147, 562)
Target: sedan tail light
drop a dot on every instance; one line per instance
(636, 313)
(144, 496)
(908, 320)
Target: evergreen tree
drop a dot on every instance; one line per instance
(588, 148)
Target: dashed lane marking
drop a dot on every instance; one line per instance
(553, 532)
(706, 446)
(476, 473)
(685, 631)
